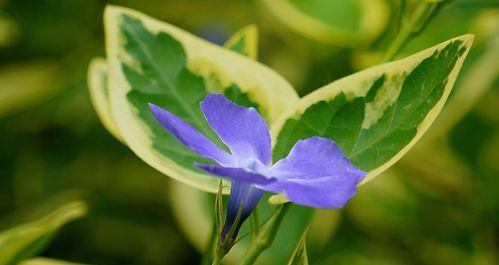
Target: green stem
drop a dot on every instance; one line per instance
(208, 255)
(410, 27)
(213, 251)
(254, 223)
(400, 40)
(265, 236)
(217, 259)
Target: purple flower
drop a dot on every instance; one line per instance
(315, 173)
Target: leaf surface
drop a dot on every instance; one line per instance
(339, 23)
(99, 94)
(47, 261)
(154, 62)
(378, 114)
(28, 239)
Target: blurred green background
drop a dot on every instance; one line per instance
(439, 205)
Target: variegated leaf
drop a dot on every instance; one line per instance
(153, 62)
(378, 114)
(99, 94)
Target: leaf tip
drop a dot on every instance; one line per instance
(69, 212)
(251, 30)
(112, 10)
(468, 39)
(112, 14)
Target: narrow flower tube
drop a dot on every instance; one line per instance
(242, 201)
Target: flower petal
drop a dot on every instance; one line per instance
(327, 192)
(190, 137)
(242, 129)
(315, 157)
(315, 173)
(236, 174)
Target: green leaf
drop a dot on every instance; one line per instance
(154, 62)
(99, 94)
(339, 23)
(299, 255)
(47, 261)
(378, 114)
(26, 240)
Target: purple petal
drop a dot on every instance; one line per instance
(236, 174)
(242, 129)
(315, 157)
(316, 173)
(327, 192)
(190, 137)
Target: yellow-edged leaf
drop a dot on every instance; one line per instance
(99, 94)
(378, 114)
(131, 37)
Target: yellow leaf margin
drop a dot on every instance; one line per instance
(99, 95)
(263, 85)
(355, 85)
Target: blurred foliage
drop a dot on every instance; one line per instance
(344, 23)
(45, 261)
(9, 31)
(26, 240)
(439, 205)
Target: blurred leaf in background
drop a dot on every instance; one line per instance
(24, 241)
(39, 82)
(9, 30)
(45, 261)
(336, 23)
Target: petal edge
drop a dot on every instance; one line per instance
(189, 136)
